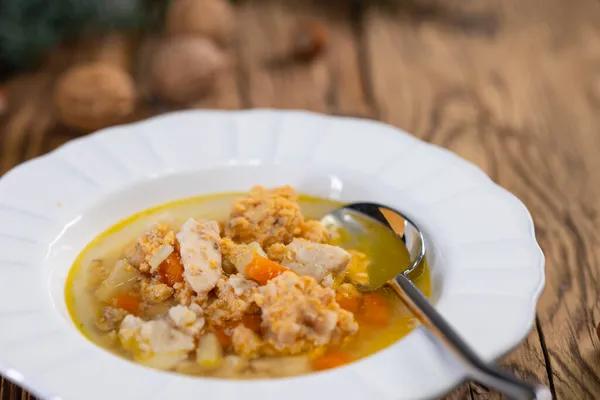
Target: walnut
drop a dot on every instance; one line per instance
(213, 19)
(309, 40)
(93, 96)
(185, 69)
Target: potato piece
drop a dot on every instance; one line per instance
(120, 281)
(154, 343)
(209, 353)
(245, 342)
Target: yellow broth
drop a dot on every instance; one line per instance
(108, 248)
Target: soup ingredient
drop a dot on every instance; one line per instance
(154, 343)
(240, 285)
(171, 270)
(183, 298)
(185, 69)
(348, 297)
(93, 96)
(315, 259)
(270, 216)
(160, 256)
(233, 300)
(262, 270)
(200, 254)
(314, 231)
(225, 331)
(187, 320)
(375, 310)
(120, 280)
(331, 360)
(252, 322)
(110, 318)
(237, 256)
(299, 314)
(127, 302)
(148, 246)
(224, 337)
(209, 352)
(213, 19)
(357, 268)
(245, 342)
(153, 291)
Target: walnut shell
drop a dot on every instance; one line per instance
(185, 69)
(309, 40)
(213, 19)
(94, 96)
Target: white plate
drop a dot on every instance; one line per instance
(487, 267)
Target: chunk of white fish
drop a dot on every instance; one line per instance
(316, 259)
(200, 254)
(154, 343)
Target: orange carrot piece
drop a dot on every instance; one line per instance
(330, 360)
(262, 270)
(252, 322)
(224, 337)
(376, 310)
(224, 333)
(171, 270)
(348, 302)
(127, 302)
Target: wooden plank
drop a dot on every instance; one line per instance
(331, 83)
(463, 392)
(430, 75)
(8, 391)
(523, 363)
(521, 103)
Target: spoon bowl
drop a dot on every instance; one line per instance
(398, 239)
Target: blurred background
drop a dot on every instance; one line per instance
(511, 85)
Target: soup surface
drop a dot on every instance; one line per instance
(235, 286)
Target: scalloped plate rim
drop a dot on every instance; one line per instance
(533, 295)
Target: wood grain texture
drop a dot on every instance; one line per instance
(500, 99)
(512, 86)
(422, 81)
(331, 83)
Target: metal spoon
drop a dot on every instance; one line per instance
(377, 227)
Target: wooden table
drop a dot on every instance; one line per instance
(511, 85)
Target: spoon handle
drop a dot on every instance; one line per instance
(485, 374)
